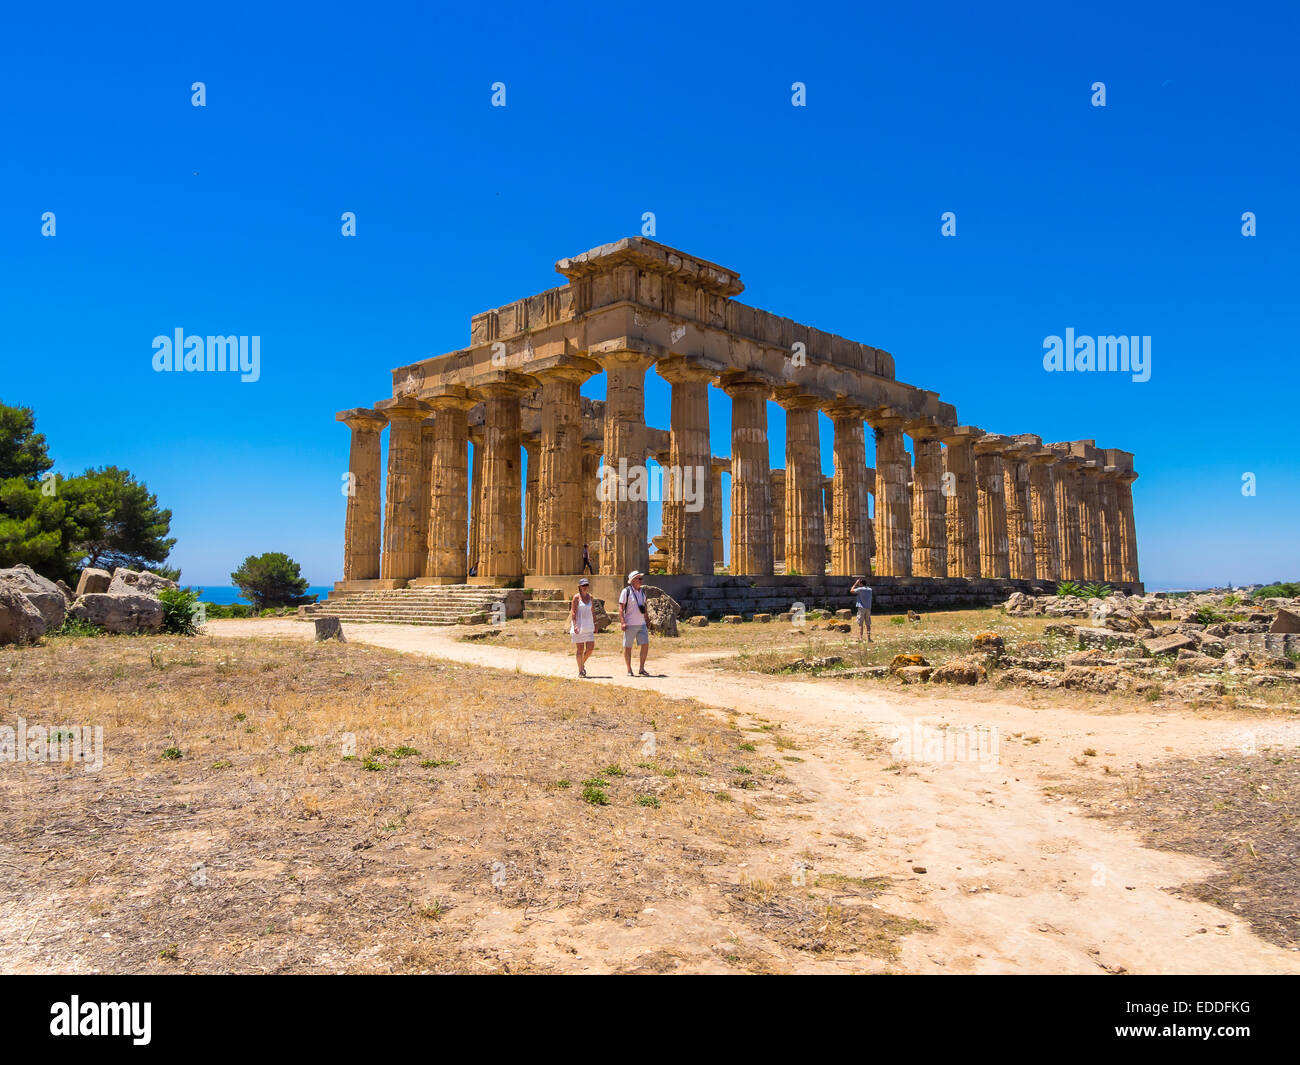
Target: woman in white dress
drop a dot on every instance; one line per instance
(582, 625)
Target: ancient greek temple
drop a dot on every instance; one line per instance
(966, 505)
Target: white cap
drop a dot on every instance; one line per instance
(634, 575)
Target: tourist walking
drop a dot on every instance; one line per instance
(582, 625)
(632, 620)
(863, 592)
(586, 560)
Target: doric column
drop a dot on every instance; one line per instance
(405, 519)
(1020, 507)
(1090, 521)
(929, 510)
(476, 497)
(530, 502)
(1047, 537)
(690, 468)
(361, 529)
(1127, 527)
(751, 486)
(870, 481)
(501, 549)
(828, 511)
(623, 514)
(715, 507)
(992, 506)
(448, 498)
(1067, 513)
(962, 499)
(805, 531)
(777, 496)
(591, 503)
(1108, 500)
(425, 499)
(850, 552)
(893, 525)
(559, 491)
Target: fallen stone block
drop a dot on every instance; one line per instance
(914, 674)
(1163, 645)
(762, 619)
(141, 582)
(1286, 621)
(732, 619)
(989, 643)
(20, 621)
(41, 592)
(699, 621)
(960, 671)
(93, 581)
(1029, 678)
(328, 627)
(120, 612)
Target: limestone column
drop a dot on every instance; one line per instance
(929, 509)
(962, 499)
(1067, 513)
(850, 552)
(591, 503)
(448, 498)
(476, 497)
(405, 521)
(1090, 521)
(715, 507)
(1127, 527)
(361, 528)
(870, 482)
(804, 514)
(994, 561)
(777, 496)
(828, 503)
(690, 468)
(893, 525)
(1047, 537)
(1020, 508)
(623, 513)
(501, 549)
(559, 491)
(530, 504)
(751, 485)
(1108, 507)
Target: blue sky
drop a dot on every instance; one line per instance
(225, 219)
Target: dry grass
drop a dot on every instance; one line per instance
(1240, 811)
(331, 808)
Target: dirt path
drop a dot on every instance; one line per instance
(1016, 878)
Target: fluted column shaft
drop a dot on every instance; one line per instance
(623, 512)
(501, 549)
(828, 503)
(929, 513)
(690, 469)
(591, 506)
(448, 500)
(559, 492)
(1090, 524)
(530, 504)
(777, 496)
(715, 512)
(1067, 518)
(1127, 528)
(893, 501)
(405, 514)
(751, 485)
(1108, 508)
(1047, 537)
(805, 531)
(1020, 526)
(992, 515)
(963, 508)
(476, 499)
(362, 526)
(850, 553)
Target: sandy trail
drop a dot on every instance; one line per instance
(1016, 879)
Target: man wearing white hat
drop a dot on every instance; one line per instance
(632, 620)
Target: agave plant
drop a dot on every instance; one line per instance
(1094, 590)
(1068, 588)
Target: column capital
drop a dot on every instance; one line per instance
(960, 434)
(362, 419)
(1127, 477)
(623, 351)
(405, 408)
(449, 397)
(888, 418)
(992, 444)
(496, 384)
(792, 397)
(678, 369)
(1044, 457)
(745, 382)
(720, 465)
(925, 429)
(572, 368)
(844, 411)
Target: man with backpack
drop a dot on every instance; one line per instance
(632, 620)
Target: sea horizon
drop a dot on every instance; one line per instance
(227, 595)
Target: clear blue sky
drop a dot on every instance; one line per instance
(225, 219)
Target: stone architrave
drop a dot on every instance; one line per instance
(962, 498)
(624, 521)
(994, 560)
(362, 527)
(751, 484)
(804, 524)
(448, 491)
(850, 551)
(405, 515)
(893, 524)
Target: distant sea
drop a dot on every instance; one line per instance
(212, 593)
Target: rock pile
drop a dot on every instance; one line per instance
(125, 601)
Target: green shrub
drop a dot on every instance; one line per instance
(1207, 615)
(1281, 590)
(180, 609)
(227, 610)
(1094, 590)
(77, 627)
(1068, 588)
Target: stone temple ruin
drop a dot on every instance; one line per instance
(975, 517)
